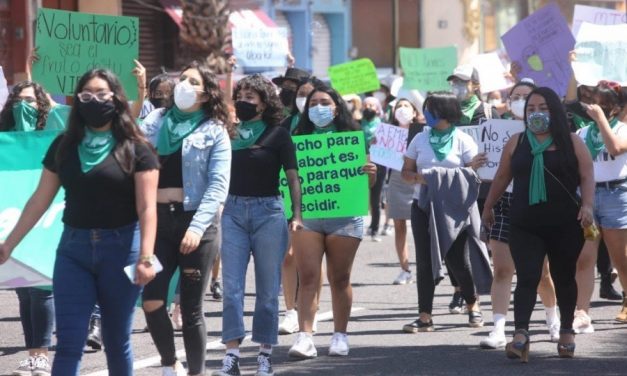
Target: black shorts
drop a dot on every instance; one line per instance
(500, 229)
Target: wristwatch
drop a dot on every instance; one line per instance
(147, 260)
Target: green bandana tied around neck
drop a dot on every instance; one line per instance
(176, 126)
(328, 129)
(24, 116)
(594, 140)
(441, 142)
(469, 106)
(248, 133)
(94, 148)
(369, 127)
(294, 122)
(537, 186)
(581, 122)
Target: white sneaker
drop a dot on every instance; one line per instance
(495, 340)
(41, 366)
(554, 331)
(339, 345)
(289, 324)
(404, 278)
(314, 325)
(304, 347)
(176, 370)
(582, 324)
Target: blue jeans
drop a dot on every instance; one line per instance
(36, 315)
(254, 225)
(89, 269)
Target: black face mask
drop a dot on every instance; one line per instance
(245, 110)
(96, 114)
(287, 97)
(160, 102)
(369, 114)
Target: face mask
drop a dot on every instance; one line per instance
(160, 102)
(380, 96)
(245, 110)
(300, 104)
(518, 108)
(460, 91)
(321, 115)
(538, 122)
(96, 114)
(24, 116)
(287, 97)
(495, 102)
(404, 115)
(369, 114)
(431, 119)
(185, 95)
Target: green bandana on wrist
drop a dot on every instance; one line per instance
(441, 142)
(594, 139)
(369, 127)
(469, 106)
(176, 126)
(94, 148)
(248, 132)
(24, 116)
(537, 185)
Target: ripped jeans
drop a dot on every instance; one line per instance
(195, 269)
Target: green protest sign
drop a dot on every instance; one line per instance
(71, 43)
(355, 77)
(427, 68)
(330, 170)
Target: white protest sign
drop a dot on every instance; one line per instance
(4, 90)
(491, 136)
(260, 46)
(601, 53)
(491, 72)
(390, 146)
(594, 15)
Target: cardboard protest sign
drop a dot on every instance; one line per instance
(332, 181)
(260, 46)
(71, 43)
(355, 77)
(540, 45)
(426, 69)
(598, 16)
(491, 136)
(601, 54)
(390, 146)
(20, 164)
(4, 90)
(491, 72)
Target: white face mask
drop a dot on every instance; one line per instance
(518, 108)
(185, 95)
(300, 103)
(494, 102)
(404, 115)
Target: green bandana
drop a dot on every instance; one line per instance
(328, 129)
(369, 127)
(57, 117)
(469, 106)
(441, 142)
(537, 186)
(94, 148)
(594, 140)
(176, 126)
(294, 122)
(248, 133)
(24, 116)
(581, 122)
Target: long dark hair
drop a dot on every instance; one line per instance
(273, 113)
(609, 96)
(343, 121)
(560, 132)
(7, 122)
(123, 127)
(215, 107)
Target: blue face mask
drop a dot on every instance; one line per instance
(431, 119)
(538, 122)
(321, 115)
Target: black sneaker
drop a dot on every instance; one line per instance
(264, 365)
(230, 366)
(94, 338)
(475, 319)
(418, 326)
(457, 303)
(216, 290)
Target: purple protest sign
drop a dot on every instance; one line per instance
(540, 44)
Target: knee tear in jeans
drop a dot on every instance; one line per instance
(192, 275)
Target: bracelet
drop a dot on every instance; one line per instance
(146, 258)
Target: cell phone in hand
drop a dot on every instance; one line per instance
(129, 270)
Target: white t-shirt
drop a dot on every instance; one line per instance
(606, 167)
(463, 150)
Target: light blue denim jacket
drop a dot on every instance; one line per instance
(206, 168)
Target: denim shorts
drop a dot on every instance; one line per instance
(610, 206)
(348, 226)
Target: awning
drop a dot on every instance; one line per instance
(238, 18)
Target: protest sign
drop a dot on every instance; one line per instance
(390, 146)
(355, 77)
(426, 69)
(4, 90)
(260, 46)
(491, 72)
(20, 164)
(598, 16)
(601, 52)
(331, 177)
(491, 137)
(540, 45)
(71, 43)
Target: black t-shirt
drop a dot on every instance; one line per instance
(255, 170)
(171, 173)
(104, 197)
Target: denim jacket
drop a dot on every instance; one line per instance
(206, 168)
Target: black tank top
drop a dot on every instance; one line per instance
(559, 208)
(171, 172)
